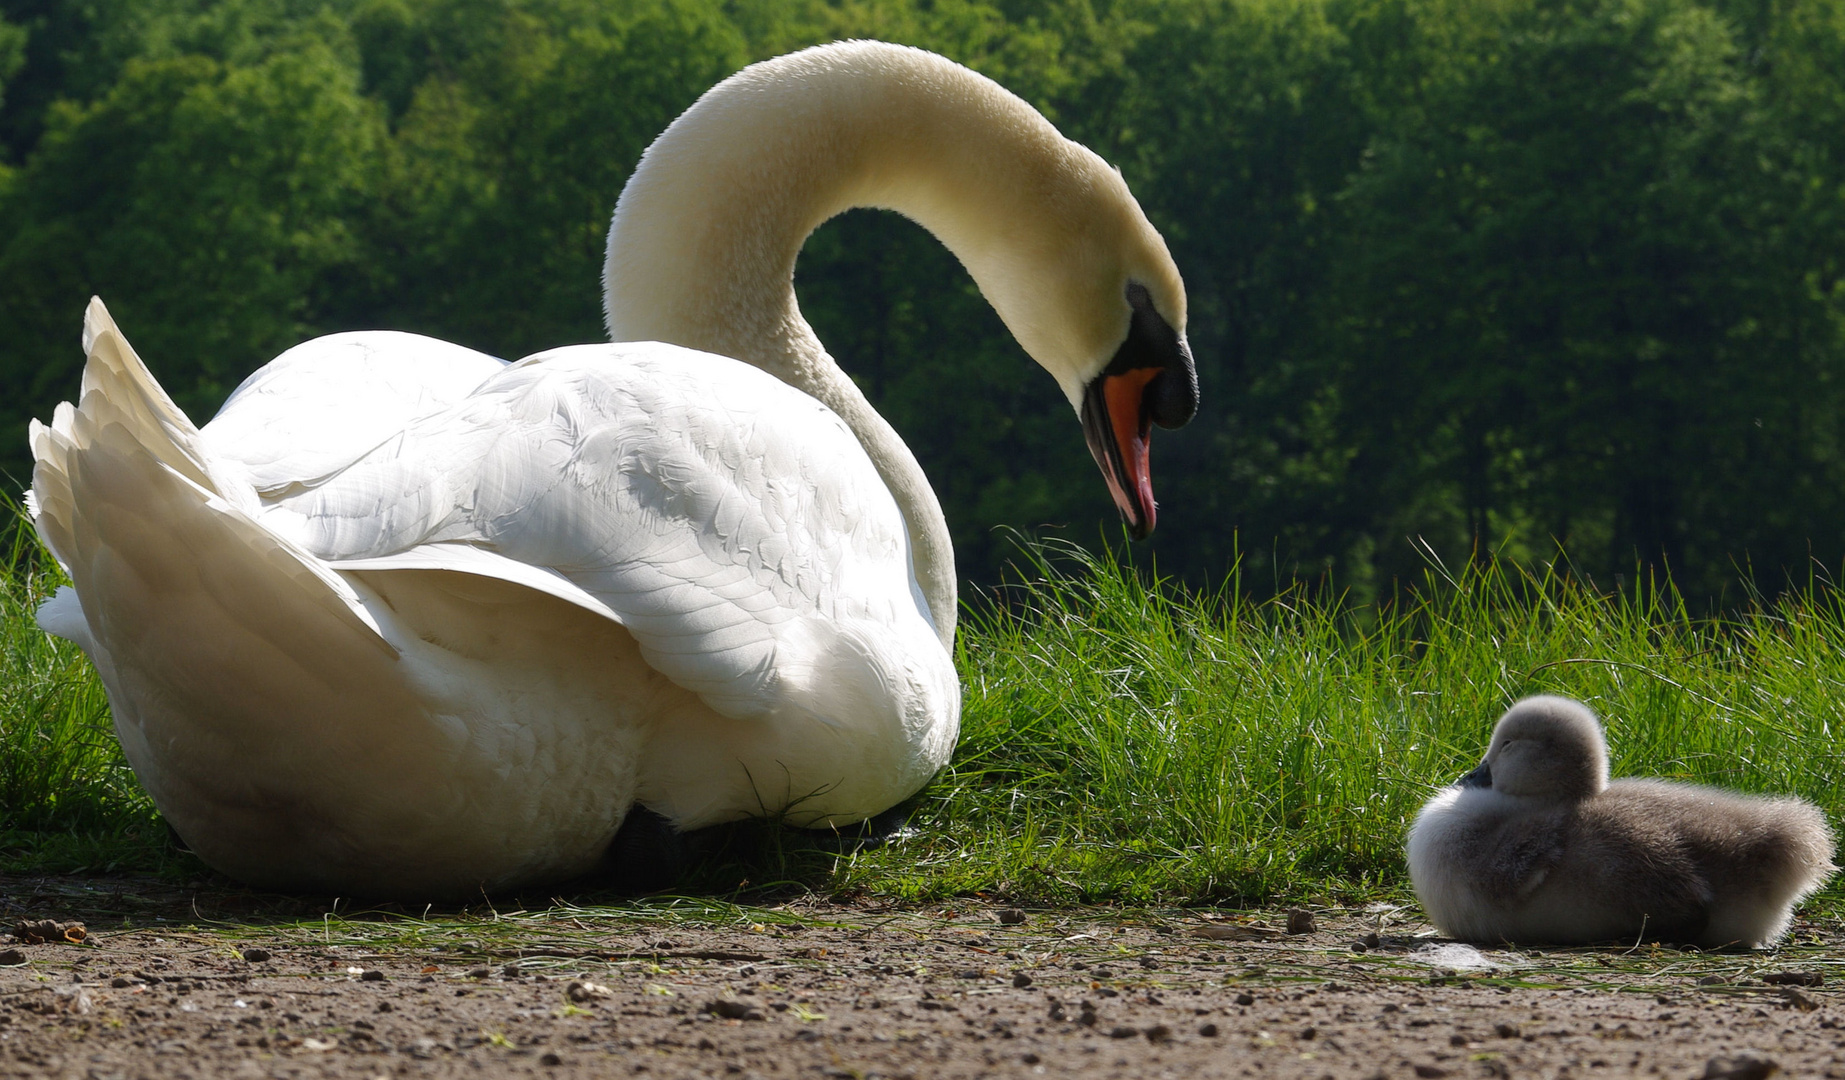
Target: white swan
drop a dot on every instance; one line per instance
(1536, 845)
(404, 620)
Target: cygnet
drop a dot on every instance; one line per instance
(1536, 845)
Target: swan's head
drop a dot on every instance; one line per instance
(1548, 748)
(1087, 286)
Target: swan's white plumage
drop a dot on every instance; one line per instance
(709, 506)
(741, 631)
(405, 619)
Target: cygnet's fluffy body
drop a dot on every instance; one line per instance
(1536, 845)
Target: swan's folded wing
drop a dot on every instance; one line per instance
(730, 522)
(468, 559)
(326, 403)
(1523, 850)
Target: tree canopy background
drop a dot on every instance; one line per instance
(1493, 274)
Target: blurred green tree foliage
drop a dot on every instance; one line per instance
(1490, 273)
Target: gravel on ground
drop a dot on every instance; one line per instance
(167, 982)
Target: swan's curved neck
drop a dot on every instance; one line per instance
(704, 241)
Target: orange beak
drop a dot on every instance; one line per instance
(1119, 430)
(1151, 380)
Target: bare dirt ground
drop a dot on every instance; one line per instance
(172, 982)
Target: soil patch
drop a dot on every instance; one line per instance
(169, 982)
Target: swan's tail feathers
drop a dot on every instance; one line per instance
(117, 390)
(123, 484)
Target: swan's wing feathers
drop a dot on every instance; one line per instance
(724, 515)
(468, 559)
(325, 403)
(1523, 852)
(709, 506)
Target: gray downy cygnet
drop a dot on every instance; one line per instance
(1536, 845)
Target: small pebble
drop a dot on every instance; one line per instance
(1744, 1066)
(1021, 980)
(479, 972)
(728, 1009)
(256, 956)
(1794, 999)
(549, 1057)
(1300, 921)
(1208, 1030)
(583, 990)
(1010, 916)
(1122, 1031)
(1158, 1033)
(373, 975)
(11, 957)
(1245, 999)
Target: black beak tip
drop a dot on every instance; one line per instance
(1481, 777)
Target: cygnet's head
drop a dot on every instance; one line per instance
(1545, 747)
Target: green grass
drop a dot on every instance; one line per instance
(1125, 741)
(1130, 743)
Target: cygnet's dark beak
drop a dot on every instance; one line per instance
(1151, 380)
(1480, 777)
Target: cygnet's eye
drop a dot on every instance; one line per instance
(1481, 777)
